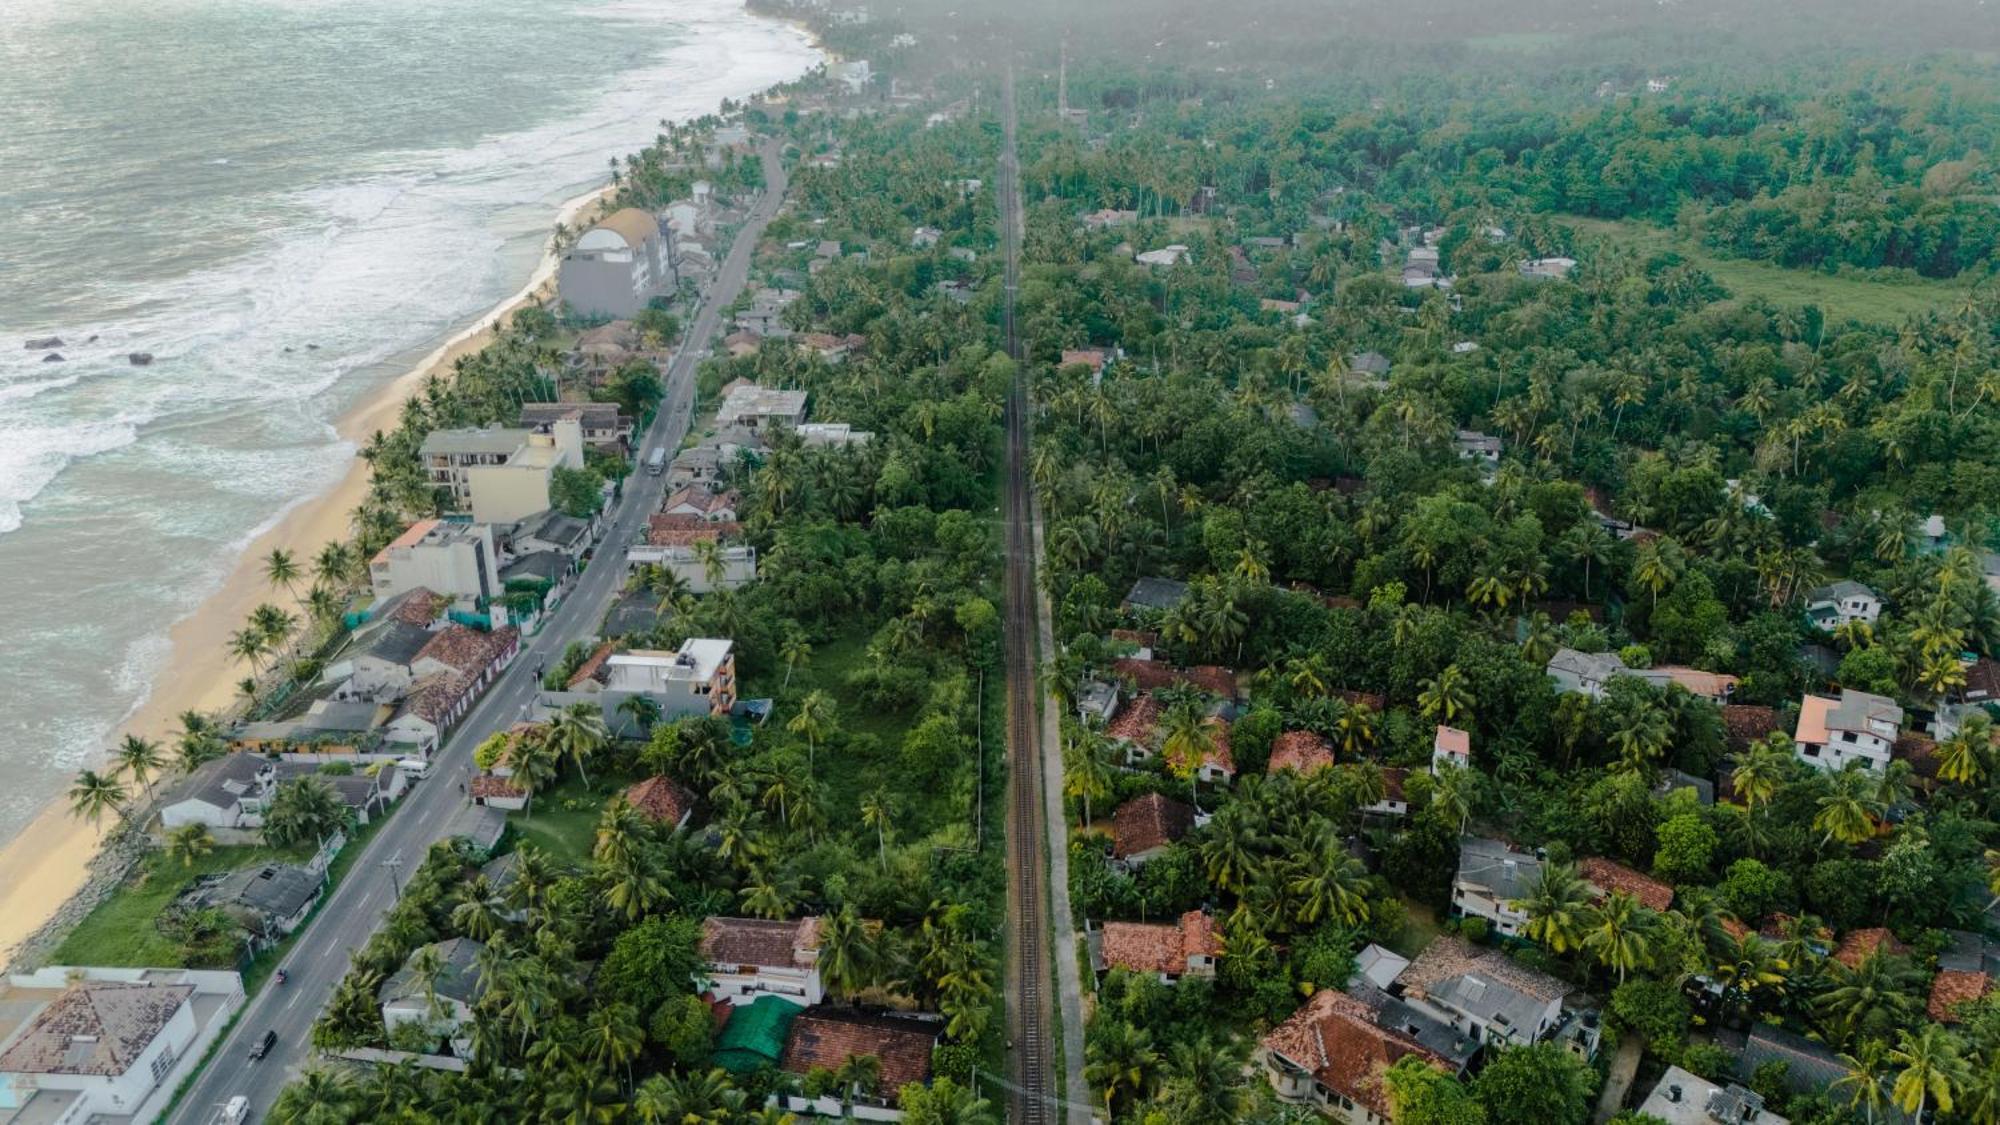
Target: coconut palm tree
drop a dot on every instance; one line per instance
(536, 763)
(767, 893)
(1087, 768)
(189, 843)
(249, 645)
(282, 570)
(848, 956)
(1929, 1070)
(643, 710)
(794, 651)
(1847, 811)
(1621, 934)
(813, 721)
(334, 565)
(140, 759)
(1445, 697)
(613, 1038)
(95, 794)
(1760, 769)
(578, 730)
(877, 811)
(1328, 882)
(1120, 1064)
(481, 910)
(1866, 1082)
(1558, 908)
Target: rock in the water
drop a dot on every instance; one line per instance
(140, 359)
(53, 357)
(312, 347)
(43, 342)
(92, 340)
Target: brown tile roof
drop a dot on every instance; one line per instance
(1149, 674)
(662, 799)
(95, 1028)
(433, 697)
(701, 498)
(1147, 822)
(1447, 958)
(592, 665)
(1143, 637)
(1136, 721)
(1335, 1037)
(1735, 929)
(1856, 946)
(1746, 723)
(416, 606)
(682, 531)
(1219, 754)
(759, 941)
(488, 785)
(1300, 750)
(1982, 680)
(1954, 987)
(464, 649)
(826, 1037)
(1392, 783)
(1609, 876)
(1374, 701)
(1920, 750)
(1144, 947)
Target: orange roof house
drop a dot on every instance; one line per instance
(1609, 877)
(1190, 945)
(1300, 750)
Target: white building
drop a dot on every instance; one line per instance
(1492, 878)
(754, 408)
(454, 559)
(502, 475)
(442, 1005)
(1857, 727)
(1475, 446)
(833, 434)
(618, 266)
(736, 566)
(1683, 1098)
(1547, 269)
(1164, 257)
(746, 958)
(1451, 748)
(1841, 603)
(85, 1044)
(699, 679)
(1490, 996)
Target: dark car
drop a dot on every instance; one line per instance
(263, 1046)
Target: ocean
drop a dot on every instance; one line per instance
(286, 202)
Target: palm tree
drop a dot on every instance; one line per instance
(427, 967)
(1930, 1069)
(1621, 934)
(95, 794)
(643, 710)
(1847, 811)
(1120, 1064)
(334, 564)
(768, 894)
(794, 651)
(536, 763)
(481, 910)
(250, 646)
(1087, 769)
(281, 570)
(1445, 697)
(1328, 883)
(319, 1097)
(140, 759)
(1354, 729)
(813, 722)
(578, 730)
(613, 1037)
(189, 843)
(1866, 1082)
(1760, 769)
(1189, 738)
(619, 832)
(876, 812)
(847, 952)
(1558, 908)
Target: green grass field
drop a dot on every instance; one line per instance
(562, 822)
(1841, 297)
(120, 932)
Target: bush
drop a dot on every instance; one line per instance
(1709, 1061)
(1475, 930)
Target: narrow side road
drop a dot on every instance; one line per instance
(319, 958)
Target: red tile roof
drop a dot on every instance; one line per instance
(1143, 947)
(1149, 674)
(1856, 946)
(1453, 741)
(411, 536)
(824, 1038)
(1392, 783)
(1954, 987)
(487, 785)
(1136, 721)
(592, 665)
(1336, 1038)
(759, 941)
(682, 531)
(433, 697)
(1371, 700)
(416, 606)
(1147, 822)
(1609, 876)
(1300, 750)
(701, 498)
(466, 650)
(1143, 637)
(1218, 754)
(661, 799)
(1746, 723)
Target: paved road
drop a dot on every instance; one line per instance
(320, 955)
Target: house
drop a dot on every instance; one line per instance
(1682, 1098)
(1547, 269)
(605, 428)
(497, 792)
(1097, 702)
(227, 793)
(1145, 826)
(442, 1004)
(1158, 594)
(1135, 726)
(1188, 947)
(1164, 258)
(1093, 358)
(603, 349)
(662, 800)
(1857, 727)
(1673, 781)
(839, 435)
(923, 238)
(501, 475)
(1586, 672)
(457, 560)
(741, 343)
(734, 567)
(1858, 946)
(1331, 1054)
(697, 679)
(1109, 217)
(1811, 1068)
(702, 502)
(1379, 966)
(1451, 748)
(329, 726)
(1148, 675)
(831, 348)
(1606, 877)
(478, 825)
(1715, 687)
(270, 900)
(550, 531)
(363, 795)
(1301, 751)
(618, 266)
(1492, 878)
(1372, 364)
(747, 958)
(1475, 446)
(1841, 603)
(1747, 722)
(1490, 996)
(105, 1044)
(1393, 802)
(1953, 988)
(1217, 763)
(826, 1038)
(765, 315)
(679, 531)
(755, 408)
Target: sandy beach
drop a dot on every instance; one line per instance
(50, 860)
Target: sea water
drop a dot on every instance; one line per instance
(285, 202)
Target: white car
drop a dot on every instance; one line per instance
(236, 1110)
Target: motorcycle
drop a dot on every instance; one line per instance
(281, 976)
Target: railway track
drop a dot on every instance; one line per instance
(1032, 1098)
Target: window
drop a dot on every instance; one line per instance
(163, 1063)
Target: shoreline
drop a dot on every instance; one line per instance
(53, 857)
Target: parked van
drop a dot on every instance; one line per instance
(416, 769)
